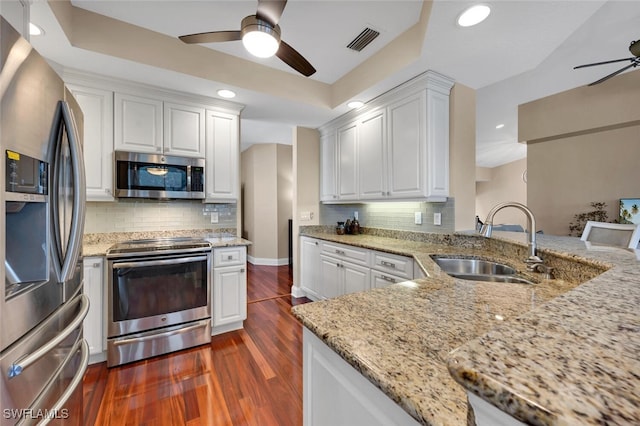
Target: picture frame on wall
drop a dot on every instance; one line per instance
(630, 210)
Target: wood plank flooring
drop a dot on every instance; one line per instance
(247, 377)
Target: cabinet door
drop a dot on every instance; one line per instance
(348, 162)
(137, 124)
(97, 108)
(407, 147)
(222, 173)
(328, 169)
(372, 141)
(356, 278)
(437, 144)
(229, 295)
(310, 267)
(184, 130)
(331, 277)
(93, 288)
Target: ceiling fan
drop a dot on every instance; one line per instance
(260, 34)
(634, 48)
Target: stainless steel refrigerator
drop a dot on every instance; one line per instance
(43, 355)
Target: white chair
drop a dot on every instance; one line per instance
(612, 234)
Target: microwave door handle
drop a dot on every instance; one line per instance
(26, 361)
(79, 187)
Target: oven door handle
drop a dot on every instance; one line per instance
(161, 262)
(159, 334)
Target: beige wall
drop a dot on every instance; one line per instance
(265, 179)
(462, 154)
(306, 185)
(503, 183)
(583, 146)
(284, 171)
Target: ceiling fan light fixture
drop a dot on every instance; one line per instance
(259, 37)
(474, 15)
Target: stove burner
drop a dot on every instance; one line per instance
(157, 245)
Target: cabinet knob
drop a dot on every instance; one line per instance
(242, 270)
(96, 265)
(230, 257)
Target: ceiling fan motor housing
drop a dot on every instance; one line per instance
(253, 23)
(635, 48)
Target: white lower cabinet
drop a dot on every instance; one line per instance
(310, 277)
(331, 269)
(229, 295)
(336, 394)
(339, 277)
(94, 326)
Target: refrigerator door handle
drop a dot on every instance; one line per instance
(79, 182)
(26, 361)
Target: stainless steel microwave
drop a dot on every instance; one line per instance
(158, 176)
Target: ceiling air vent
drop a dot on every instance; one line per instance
(363, 39)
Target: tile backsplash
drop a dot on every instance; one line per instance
(149, 215)
(391, 215)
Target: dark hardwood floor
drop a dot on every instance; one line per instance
(247, 377)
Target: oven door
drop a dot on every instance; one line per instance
(158, 291)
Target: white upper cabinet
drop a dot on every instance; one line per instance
(97, 108)
(347, 162)
(407, 153)
(396, 147)
(328, 155)
(184, 130)
(138, 124)
(222, 174)
(372, 144)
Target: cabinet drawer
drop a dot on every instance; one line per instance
(352, 254)
(229, 256)
(383, 279)
(393, 264)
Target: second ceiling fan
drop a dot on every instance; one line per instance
(260, 34)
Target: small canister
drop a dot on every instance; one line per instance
(340, 228)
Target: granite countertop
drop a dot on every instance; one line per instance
(98, 244)
(538, 352)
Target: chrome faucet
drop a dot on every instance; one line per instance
(487, 227)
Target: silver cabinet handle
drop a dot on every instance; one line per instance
(388, 264)
(242, 270)
(230, 257)
(26, 361)
(389, 279)
(96, 265)
(340, 252)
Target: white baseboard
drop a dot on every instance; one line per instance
(297, 292)
(263, 261)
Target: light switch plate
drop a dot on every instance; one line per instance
(418, 218)
(214, 217)
(437, 218)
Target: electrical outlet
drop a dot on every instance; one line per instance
(305, 216)
(355, 215)
(437, 219)
(418, 218)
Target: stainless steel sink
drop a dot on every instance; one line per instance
(475, 269)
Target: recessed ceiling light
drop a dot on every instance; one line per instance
(499, 126)
(474, 15)
(35, 30)
(225, 93)
(355, 104)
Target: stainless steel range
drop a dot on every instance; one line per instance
(159, 297)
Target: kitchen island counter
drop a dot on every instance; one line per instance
(401, 337)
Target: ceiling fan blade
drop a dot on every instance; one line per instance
(295, 60)
(211, 37)
(270, 10)
(603, 63)
(634, 64)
